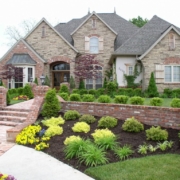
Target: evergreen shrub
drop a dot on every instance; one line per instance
(72, 82)
(121, 99)
(104, 99)
(65, 96)
(71, 115)
(75, 97)
(87, 118)
(81, 84)
(88, 98)
(175, 103)
(28, 91)
(64, 89)
(75, 91)
(156, 101)
(136, 100)
(36, 81)
(107, 122)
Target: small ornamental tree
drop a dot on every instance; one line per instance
(36, 81)
(72, 83)
(86, 67)
(152, 89)
(28, 91)
(47, 81)
(8, 99)
(51, 106)
(105, 83)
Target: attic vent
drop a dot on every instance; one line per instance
(43, 31)
(171, 42)
(93, 23)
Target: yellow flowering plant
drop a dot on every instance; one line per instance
(53, 121)
(70, 139)
(41, 146)
(53, 130)
(81, 127)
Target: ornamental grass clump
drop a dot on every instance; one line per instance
(71, 115)
(53, 131)
(81, 127)
(53, 121)
(107, 122)
(132, 125)
(156, 134)
(87, 118)
(28, 135)
(71, 139)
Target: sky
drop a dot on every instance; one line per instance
(14, 12)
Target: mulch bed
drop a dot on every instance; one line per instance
(133, 139)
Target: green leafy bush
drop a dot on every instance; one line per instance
(53, 121)
(88, 98)
(107, 122)
(168, 92)
(123, 152)
(8, 99)
(142, 149)
(104, 99)
(92, 91)
(64, 89)
(75, 97)
(138, 92)
(28, 91)
(129, 92)
(132, 125)
(75, 91)
(51, 106)
(121, 99)
(121, 91)
(87, 118)
(176, 93)
(81, 127)
(105, 83)
(53, 131)
(64, 96)
(111, 86)
(20, 90)
(100, 91)
(152, 89)
(156, 134)
(136, 100)
(47, 81)
(175, 103)
(81, 84)
(83, 91)
(72, 83)
(156, 101)
(36, 81)
(71, 115)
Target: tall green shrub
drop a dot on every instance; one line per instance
(36, 81)
(28, 91)
(51, 106)
(72, 83)
(81, 84)
(152, 89)
(8, 99)
(47, 81)
(64, 89)
(105, 83)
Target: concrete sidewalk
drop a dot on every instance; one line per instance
(28, 164)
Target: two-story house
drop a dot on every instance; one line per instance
(115, 41)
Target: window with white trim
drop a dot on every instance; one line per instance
(94, 45)
(172, 73)
(171, 42)
(130, 70)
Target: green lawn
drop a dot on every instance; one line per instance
(14, 101)
(157, 167)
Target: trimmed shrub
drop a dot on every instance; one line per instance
(104, 99)
(121, 91)
(107, 122)
(53, 131)
(87, 118)
(136, 100)
(152, 89)
(111, 86)
(71, 115)
(132, 125)
(175, 103)
(176, 93)
(105, 83)
(129, 92)
(88, 98)
(81, 127)
(121, 99)
(72, 83)
(168, 92)
(51, 106)
(64, 96)
(47, 81)
(156, 134)
(138, 92)
(71, 139)
(8, 99)
(64, 89)
(20, 90)
(81, 84)
(36, 81)
(83, 91)
(75, 97)
(92, 91)
(28, 91)
(53, 121)
(156, 101)
(100, 91)
(75, 91)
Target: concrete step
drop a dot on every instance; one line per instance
(13, 113)
(9, 123)
(8, 108)
(12, 118)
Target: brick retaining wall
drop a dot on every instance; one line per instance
(162, 116)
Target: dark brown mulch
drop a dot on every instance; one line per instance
(133, 139)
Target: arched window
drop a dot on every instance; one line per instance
(94, 45)
(61, 66)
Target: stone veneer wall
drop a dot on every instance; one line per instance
(3, 92)
(159, 55)
(101, 30)
(165, 117)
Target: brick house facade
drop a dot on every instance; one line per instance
(114, 41)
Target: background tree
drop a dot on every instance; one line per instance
(14, 33)
(139, 21)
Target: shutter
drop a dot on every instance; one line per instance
(86, 44)
(159, 73)
(101, 46)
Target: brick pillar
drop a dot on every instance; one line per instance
(39, 90)
(3, 92)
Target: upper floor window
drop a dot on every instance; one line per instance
(43, 31)
(61, 66)
(93, 23)
(94, 45)
(171, 42)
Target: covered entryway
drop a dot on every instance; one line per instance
(60, 74)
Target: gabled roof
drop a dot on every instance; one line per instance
(122, 27)
(43, 19)
(93, 13)
(21, 59)
(145, 37)
(28, 46)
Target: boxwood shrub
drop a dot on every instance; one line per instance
(121, 99)
(156, 101)
(87, 118)
(136, 100)
(75, 97)
(175, 103)
(75, 91)
(71, 115)
(88, 98)
(64, 96)
(104, 99)
(107, 122)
